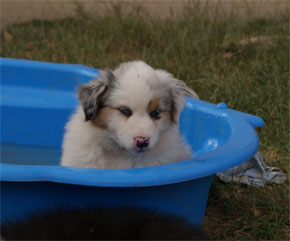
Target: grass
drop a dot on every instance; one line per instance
(222, 60)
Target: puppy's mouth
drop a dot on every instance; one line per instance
(140, 150)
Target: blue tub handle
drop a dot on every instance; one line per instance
(253, 120)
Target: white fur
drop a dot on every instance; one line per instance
(135, 85)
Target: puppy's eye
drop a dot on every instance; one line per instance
(126, 112)
(155, 115)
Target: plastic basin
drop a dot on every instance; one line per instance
(36, 100)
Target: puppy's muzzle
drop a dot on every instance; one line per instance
(141, 143)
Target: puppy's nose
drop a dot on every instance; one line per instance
(141, 141)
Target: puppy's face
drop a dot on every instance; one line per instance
(135, 104)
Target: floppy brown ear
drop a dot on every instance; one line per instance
(92, 95)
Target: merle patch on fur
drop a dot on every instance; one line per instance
(92, 95)
(101, 223)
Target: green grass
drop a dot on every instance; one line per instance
(207, 54)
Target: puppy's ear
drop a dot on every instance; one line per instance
(176, 96)
(177, 104)
(93, 94)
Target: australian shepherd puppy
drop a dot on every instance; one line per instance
(127, 118)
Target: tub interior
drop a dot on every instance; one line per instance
(37, 102)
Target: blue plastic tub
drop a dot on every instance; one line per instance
(36, 101)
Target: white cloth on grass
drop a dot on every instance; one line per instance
(253, 172)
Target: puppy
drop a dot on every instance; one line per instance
(127, 118)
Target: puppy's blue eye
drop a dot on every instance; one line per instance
(126, 112)
(155, 115)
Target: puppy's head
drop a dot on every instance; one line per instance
(135, 104)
